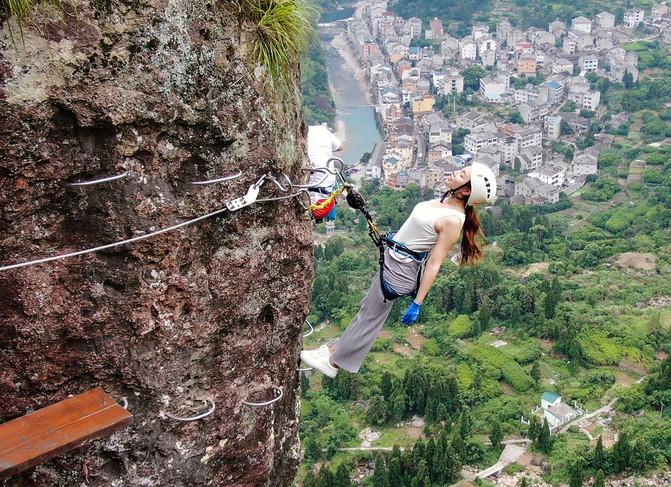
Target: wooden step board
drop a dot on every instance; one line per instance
(36, 437)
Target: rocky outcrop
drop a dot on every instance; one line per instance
(163, 90)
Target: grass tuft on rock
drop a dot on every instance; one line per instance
(283, 30)
(21, 11)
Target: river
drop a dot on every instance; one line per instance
(354, 114)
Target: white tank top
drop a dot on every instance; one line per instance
(418, 233)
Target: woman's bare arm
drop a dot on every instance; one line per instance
(449, 229)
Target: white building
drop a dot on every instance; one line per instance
(448, 82)
(605, 20)
(529, 137)
(439, 132)
(373, 172)
(555, 411)
(530, 158)
(584, 164)
(474, 141)
(589, 63)
(552, 127)
(509, 149)
(562, 65)
(633, 17)
(581, 24)
(591, 100)
(468, 49)
(492, 89)
(549, 175)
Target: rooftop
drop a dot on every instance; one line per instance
(562, 411)
(550, 396)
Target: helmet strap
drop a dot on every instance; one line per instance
(453, 192)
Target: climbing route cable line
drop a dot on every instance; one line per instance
(248, 199)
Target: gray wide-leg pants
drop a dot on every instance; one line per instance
(354, 344)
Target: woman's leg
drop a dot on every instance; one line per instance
(355, 343)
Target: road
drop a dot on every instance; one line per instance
(596, 412)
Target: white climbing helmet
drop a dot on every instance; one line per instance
(483, 185)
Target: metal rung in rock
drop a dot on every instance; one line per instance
(36, 437)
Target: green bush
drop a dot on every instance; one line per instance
(511, 371)
(524, 352)
(598, 349)
(460, 327)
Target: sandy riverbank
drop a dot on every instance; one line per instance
(341, 45)
(341, 131)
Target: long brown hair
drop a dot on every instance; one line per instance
(471, 252)
(471, 232)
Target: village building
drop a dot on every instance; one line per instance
(633, 17)
(581, 24)
(555, 411)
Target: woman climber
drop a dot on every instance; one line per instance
(411, 266)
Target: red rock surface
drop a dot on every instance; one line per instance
(164, 90)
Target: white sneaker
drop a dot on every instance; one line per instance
(319, 359)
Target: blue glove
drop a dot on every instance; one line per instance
(411, 314)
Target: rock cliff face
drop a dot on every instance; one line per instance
(163, 90)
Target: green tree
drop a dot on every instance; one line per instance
(377, 411)
(515, 117)
(395, 475)
(628, 80)
(565, 128)
(458, 446)
(472, 76)
(536, 373)
(310, 480)
(313, 451)
(545, 438)
(599, 458)
(599, 480)
(575, 474)
(534, 428)
(386, 385)
(496, 435)
(342, 476)
(524, 482)
(621, 453)
(465, 424)
(380, 475)
(305, 384)
(326, 477)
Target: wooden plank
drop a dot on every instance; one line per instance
(52, 416)
(32, 439)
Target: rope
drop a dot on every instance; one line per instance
(219, 180)
(112, 245)
(256, 186)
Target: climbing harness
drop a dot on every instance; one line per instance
(193, 418)
(279, 392)
(101, 180)
(357, 202)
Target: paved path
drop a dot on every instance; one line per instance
(509, 455)
(596, 412)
